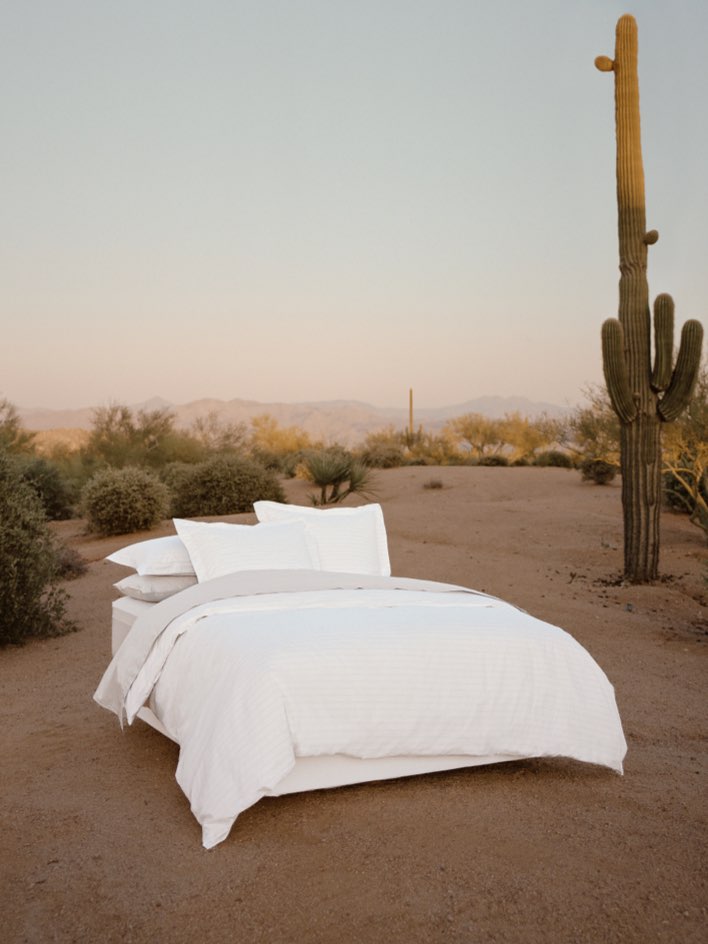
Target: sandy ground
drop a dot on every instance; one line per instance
(98, 843)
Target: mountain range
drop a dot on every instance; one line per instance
(344, 421)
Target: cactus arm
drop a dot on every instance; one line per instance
(663, 341)
(615, 368)
(688, 363)
(604, 63)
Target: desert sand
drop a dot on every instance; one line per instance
(98, 843)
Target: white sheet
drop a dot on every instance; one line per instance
(249, 684)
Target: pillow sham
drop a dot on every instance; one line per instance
(218, 548)
(348, 540)
(158, 556)
(153, 589)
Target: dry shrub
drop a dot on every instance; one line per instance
(224, 485)
(118, 501)
(31, 603)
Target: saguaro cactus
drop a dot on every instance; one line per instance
(643, 397)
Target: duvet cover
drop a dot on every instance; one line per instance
(250, 671)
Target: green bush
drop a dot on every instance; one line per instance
(51, 487)
(554, 457)
(493, 460)
(173, 475)
(118, 501)
(598, 471)
(224, 485)
(31, 603)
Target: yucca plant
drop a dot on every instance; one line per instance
(337, 474)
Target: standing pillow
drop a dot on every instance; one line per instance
(348, 540)
(216, 549)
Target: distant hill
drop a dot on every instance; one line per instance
(344, 421)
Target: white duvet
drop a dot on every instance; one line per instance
(283, 665)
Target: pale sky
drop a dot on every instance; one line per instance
(332, 199)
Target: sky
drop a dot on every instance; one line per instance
(288, 200)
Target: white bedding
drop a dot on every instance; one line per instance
(284, 665)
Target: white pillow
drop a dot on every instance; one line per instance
(156, 556)
(348, 540)
(153, 589)
(219, 548)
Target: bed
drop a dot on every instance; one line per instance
(283, 657)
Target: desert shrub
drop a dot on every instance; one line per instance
(14, 437)
(216, 435)
(70, 564)
(685, 457)
(224, 485)
(118, 501)
(386, 448)
(598, 471)
(122, 438)
(51, 487)
(593, 430)
(493, 460)
(31, 603)
(433, 484)
(290, 463)
(76, 467)
(676, 495)
(685, 488)
(383, 456)
(339, 471)
(272, 461)
(554, 457)
(174, 474)
(475, 434)
(523, 438)
(432, 449)
(271, 444)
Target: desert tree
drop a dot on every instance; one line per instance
(526, 436)
(13, 436)
(120, 437)
(479, 434)
(278, 447)
(217, 435)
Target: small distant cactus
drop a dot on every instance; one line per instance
(643, 396)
